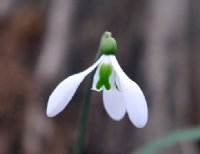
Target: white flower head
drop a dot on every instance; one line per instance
(120, 94)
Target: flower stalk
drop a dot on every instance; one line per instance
(78, 148)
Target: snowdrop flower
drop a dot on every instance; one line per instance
(120, 93)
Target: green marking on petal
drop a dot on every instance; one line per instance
(105, 72)
(116, 86)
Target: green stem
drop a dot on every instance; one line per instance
(78, 149)
(171, 139)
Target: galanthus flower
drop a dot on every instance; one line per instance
(120, 94)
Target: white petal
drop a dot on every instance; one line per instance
(64, 92)
(135, 101)
(114, 104)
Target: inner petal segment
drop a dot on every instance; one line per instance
(105, 72)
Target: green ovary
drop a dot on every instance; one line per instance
(105, 72)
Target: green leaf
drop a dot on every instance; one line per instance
(169, 140)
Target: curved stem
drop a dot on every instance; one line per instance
(78, 149)
(171, 139)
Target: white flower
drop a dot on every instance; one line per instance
(120, 93)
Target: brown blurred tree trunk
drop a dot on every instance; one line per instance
(5, 7)
(195, 59)
(49, 67)
(167, 69)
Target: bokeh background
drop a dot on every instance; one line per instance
(44, 41)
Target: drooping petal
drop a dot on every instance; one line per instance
(114, 104)
(64, 92)
(136, 105)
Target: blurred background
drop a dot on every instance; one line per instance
(44, 41)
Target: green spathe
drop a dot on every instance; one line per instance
(105, 72)
(108, 45)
